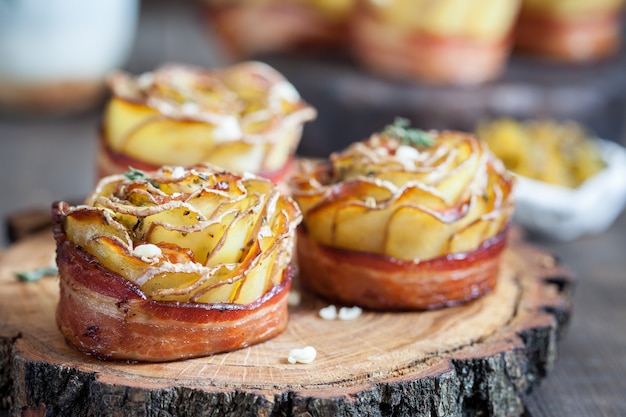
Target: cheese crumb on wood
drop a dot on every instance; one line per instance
(344, 313)
(302, 355)
(328, 313)
(349, 313)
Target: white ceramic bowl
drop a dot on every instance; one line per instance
(565, 214)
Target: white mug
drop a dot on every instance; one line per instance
(55, 54)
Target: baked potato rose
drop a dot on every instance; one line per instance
(173, 264)
(440, 42)
(570, 30)
(244, 118)
(404, 220)
(252, 27)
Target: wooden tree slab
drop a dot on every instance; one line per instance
(477, 359)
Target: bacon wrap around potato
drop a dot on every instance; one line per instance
(441, 42)
(384, 210)
(244, 118)
(173, 264)
(570, 30)
(286, 26)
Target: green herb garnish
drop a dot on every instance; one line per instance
(137, 174)
(401, 129)
(37, 274)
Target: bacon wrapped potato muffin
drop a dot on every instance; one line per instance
(174, 264)
(442, 42)
(404, 220)
(244, 118)
(250, 27)
(570, 30)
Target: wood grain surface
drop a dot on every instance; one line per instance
(481, 357)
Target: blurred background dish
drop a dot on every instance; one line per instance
(562, 154)
(442, 65)
(244, 118)
(443, 42)
(55, 54)
(250, 27)
(570, 30)
(568, 184)
(566, 214)
(352, 103)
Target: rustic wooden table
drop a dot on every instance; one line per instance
(45, 159)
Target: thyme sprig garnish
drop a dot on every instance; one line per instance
(400, 128)
(137, 174)
(37, 274)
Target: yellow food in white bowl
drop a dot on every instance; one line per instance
(569, 184)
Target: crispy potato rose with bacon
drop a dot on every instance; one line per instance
(404, 220)
(244, 118)
(174, 264)
(439, 42)
(257, 27)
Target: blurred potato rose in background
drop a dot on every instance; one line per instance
(244, 118)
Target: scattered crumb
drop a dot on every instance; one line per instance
(344, 313)
(303, 355)
(328, 313)
(349, 313)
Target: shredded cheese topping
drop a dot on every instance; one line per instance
(147, 252)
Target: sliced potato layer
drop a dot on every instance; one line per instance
(247, 117)
(406, 200)
(199, 234)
